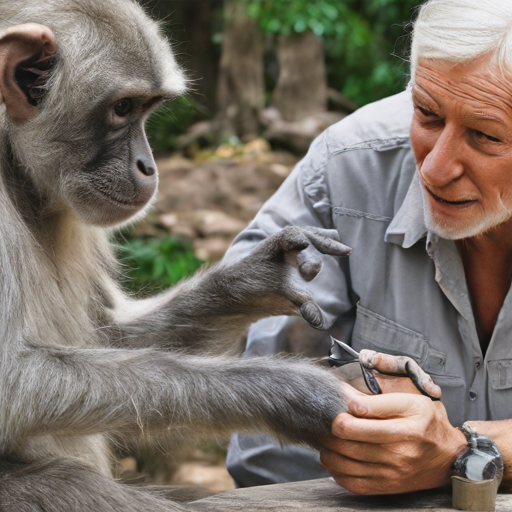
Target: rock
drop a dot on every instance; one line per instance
(218, 184)
(215, 223)
(256, 147)
(216, 478)
(226, 151)
(210, 249)
(250, 204)
(297, 135)
(341, 101)
(280, 170)
(174, 164)
(168, 220)
(198, 132)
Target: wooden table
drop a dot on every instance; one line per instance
(324, 495)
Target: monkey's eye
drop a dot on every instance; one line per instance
(123, 107)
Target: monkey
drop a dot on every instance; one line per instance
(80, 361)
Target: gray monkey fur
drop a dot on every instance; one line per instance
(79, 360)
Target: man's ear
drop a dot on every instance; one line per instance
(26, 58)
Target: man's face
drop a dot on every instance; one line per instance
(461, 134)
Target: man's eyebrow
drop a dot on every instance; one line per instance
(484, 116)
(419, 95)
(416, 97)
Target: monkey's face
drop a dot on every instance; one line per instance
(118, 179)
(76, 109)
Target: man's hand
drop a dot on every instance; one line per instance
(391, 443)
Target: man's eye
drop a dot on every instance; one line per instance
(483, 135)
(123, 107)
(426, 113)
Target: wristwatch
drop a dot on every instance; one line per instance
(476, 473)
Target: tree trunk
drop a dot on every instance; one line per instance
(301, 89)
(240, 90)
(199, 50)
(190, 24)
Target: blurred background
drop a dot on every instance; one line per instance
(266, 77)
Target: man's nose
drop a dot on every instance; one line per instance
(444, 163)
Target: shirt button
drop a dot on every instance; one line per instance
(472, 396)
(477, 365)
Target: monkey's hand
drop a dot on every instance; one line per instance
(393, 369)
(394, 374)
(211, 311)
(270, 276)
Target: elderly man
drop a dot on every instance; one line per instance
(420, 185)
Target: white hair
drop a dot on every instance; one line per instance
(459, 31)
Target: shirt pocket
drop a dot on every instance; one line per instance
(376, 332)
(500, 397)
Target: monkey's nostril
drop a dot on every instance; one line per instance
(147, 171)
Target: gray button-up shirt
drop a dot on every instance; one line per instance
(403, 289)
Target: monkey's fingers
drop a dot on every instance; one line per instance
(290, 238)
(309, 262)
(401, 366)
(327, 241)
(312, 313)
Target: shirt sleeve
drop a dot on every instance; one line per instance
(261, 460)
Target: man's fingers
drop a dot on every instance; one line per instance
(338, 463)
(372, 431)
(392, 405)
(380, 418)
(337, 450)
(401, 365)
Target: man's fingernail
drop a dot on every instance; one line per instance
(358, 409)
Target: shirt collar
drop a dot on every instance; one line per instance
(408, 225)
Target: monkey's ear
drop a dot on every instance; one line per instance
(26, 58)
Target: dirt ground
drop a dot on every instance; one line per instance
(209, 200)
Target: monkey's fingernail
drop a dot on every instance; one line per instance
(368, 358)
(312, 314)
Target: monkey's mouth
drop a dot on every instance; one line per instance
(119, 201)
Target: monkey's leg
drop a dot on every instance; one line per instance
(66, 486)
(87, 391)
(217, 306)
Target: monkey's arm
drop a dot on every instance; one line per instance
(211, 311)
(81, 391)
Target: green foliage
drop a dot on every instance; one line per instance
(360, 39)
(152, 264)
(169, 122)
(323, 17)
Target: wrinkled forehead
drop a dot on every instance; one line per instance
(478, 81)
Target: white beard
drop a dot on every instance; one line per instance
(453, 231)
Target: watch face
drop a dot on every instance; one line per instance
(481, 460)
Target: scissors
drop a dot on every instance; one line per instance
(342, 354)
